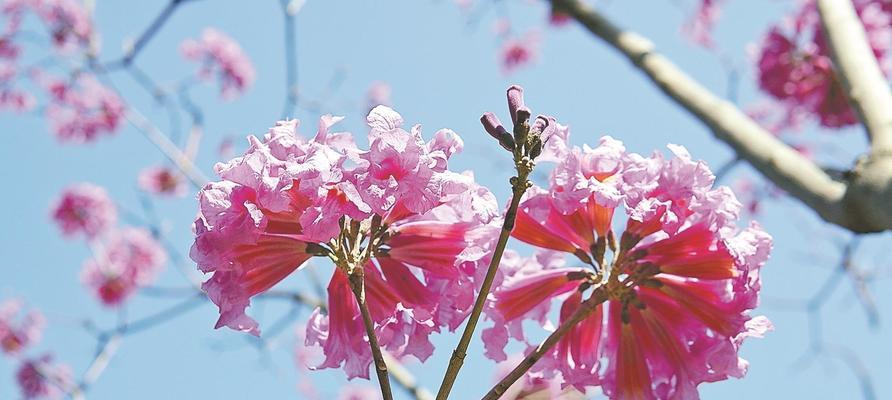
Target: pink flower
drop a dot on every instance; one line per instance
(162, 180)
(518, 52)
(69, 23)
(15, 336)
(699, 27)
(85, 209)
(222, 56)
(130, 260)
(40, 378)
(794, 64)
(288, 199)
(82, 109)
(683, 278)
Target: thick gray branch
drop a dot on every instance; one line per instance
(778, 162)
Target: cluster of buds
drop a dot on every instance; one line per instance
(527, 138)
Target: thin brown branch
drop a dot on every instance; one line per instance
(357, 283)
(458, 355)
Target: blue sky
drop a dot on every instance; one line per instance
(444, 73)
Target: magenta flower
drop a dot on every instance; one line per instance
(681, 281)
(40, 378)
(518, 52)
(162, 180)
(84, 209)
(82, 109)
(15, 336)
(794, 64)
(222, 56)
(131, 259)
(423, 228)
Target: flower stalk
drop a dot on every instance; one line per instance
(525, 145)
(357, 284)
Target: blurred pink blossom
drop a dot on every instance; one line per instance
(41, 378)
(162, 180)
(84, 209)
(130, 260)
(82, 109)
(220, 55)
(519, 51)
(17, 335)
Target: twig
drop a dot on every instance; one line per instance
(146, 35)
(289, 12)
(357, 284)
(170, 150)
(723, 170)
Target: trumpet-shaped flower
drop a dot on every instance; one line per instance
(421, 228)
(680, 282)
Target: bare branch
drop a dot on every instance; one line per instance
(858, 70)
(170, 150)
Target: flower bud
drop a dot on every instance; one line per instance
(515, 103)
(494, 128)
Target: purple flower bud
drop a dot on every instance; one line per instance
(492, 125)
(515, 102)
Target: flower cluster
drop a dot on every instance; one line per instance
(393, 215)
(84, 209)
(678, 287)
(36, 377)
(128, 261)
(794, 64)
(68, 21)
(222, 56)
(82, 109)
(16, 335)
(124, 259)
